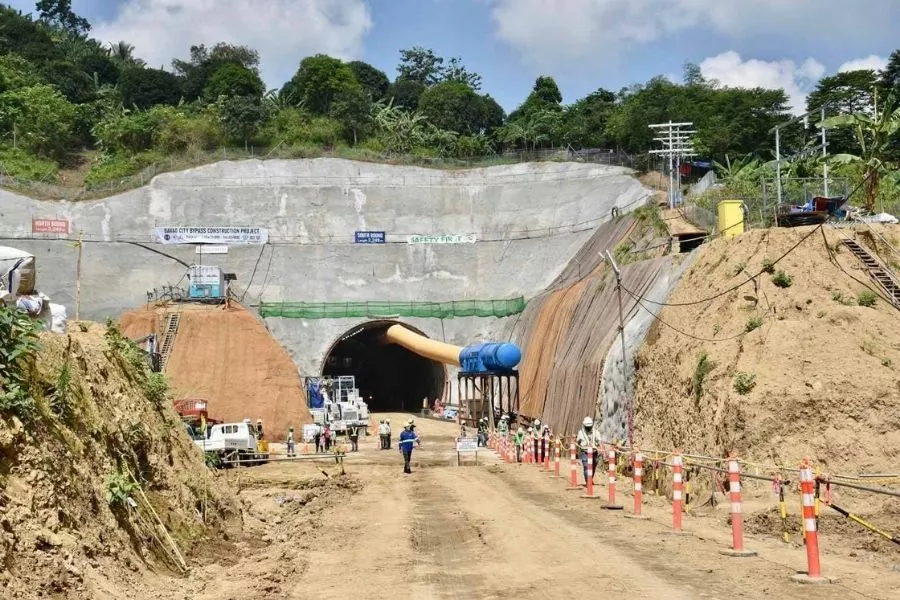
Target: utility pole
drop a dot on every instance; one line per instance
(777, 131)
(824, 155)
(676, 141)
(80, 245)
(629, 407)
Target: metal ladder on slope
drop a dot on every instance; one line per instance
(880, 274)
(168, 341)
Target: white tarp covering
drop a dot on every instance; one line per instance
(17, 271)
(886, 218)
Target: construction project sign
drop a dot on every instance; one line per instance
(49, 226)
(369, 237)
(212, 235)
(466, 238)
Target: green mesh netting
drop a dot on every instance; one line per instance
(439, 310)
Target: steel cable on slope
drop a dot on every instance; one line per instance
(733, 288)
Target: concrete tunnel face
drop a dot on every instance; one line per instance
(396, 379)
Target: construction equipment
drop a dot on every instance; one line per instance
(335, 401)
(233, 442)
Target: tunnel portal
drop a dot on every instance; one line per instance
(389, 377)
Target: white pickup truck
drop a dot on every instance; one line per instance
(232, 441)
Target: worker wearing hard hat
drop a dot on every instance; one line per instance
(503, 427)
(519, 440)
(536, 446)
(290, 441)
(387, 422)
(383, 434)
(588, 438)
(482, 431)
(408, 439)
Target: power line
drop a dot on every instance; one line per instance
(733, 288)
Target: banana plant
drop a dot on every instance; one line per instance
(874, 135)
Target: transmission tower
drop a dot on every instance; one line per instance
(676, 144)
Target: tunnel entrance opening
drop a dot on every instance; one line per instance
(393, 377)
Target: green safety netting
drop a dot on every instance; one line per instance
(440, 310)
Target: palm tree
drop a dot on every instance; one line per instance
(123, 53)
(874, 135)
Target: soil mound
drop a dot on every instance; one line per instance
(97, 473)
(786, 366)
(229, 358)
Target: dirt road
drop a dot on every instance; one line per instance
(496, 531)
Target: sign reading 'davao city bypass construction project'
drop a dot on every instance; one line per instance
(466, 238)
(212, 235)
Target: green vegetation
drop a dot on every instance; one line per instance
(738, 268)
(782, 279)
(69, 101)
(768, 266)
(842, 299)
(753, 323)
(704, 367)
(119, 487)
(18, 346)
(867, 298)
(744, 382)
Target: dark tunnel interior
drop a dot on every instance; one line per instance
(395, 378)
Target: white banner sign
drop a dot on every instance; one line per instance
(466, 444)
(467, 238)
(212, 235)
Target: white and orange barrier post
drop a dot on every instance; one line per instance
(677, 490)
(528, 449)
(573, 468)
(589, 479)
(807, 490)
(737, 518)
(611, 473)
(556, 451)
(638, 486)
(546, 444)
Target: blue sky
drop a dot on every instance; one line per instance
(584, 44)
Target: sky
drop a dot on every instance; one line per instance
(583, 44)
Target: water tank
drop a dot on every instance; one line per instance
(731, 218)
(490, 356)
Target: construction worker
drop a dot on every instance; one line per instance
(383, 434)
(503, 427)
(290, 441)
(519, 440)
(388, 423)
(259, 429)
(587, 438)
(545, 442)
(353, 434)
(536, 446)
(408, 439)
(482, 431)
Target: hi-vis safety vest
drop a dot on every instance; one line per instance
(586, 440)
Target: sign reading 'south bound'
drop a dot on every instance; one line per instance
(212, 235)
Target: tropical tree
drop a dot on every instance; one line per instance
(874, 135)
(399, 130)
(122, 53)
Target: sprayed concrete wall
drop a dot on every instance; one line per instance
(529, 220)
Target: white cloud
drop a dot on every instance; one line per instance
(872, 62)
(283, 31)
(550, 33)
(730, 70)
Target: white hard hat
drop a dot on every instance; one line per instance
(588, 422)
(530, 429)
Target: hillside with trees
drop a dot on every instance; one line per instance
(77, 110)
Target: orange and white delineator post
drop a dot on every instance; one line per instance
(638, 486)
(611, 473)
(737, 519)
(546, 445)
(528, 444)
(589, 480)
(556, 459)
(807, 490)
(573, 468)
(677, 490)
